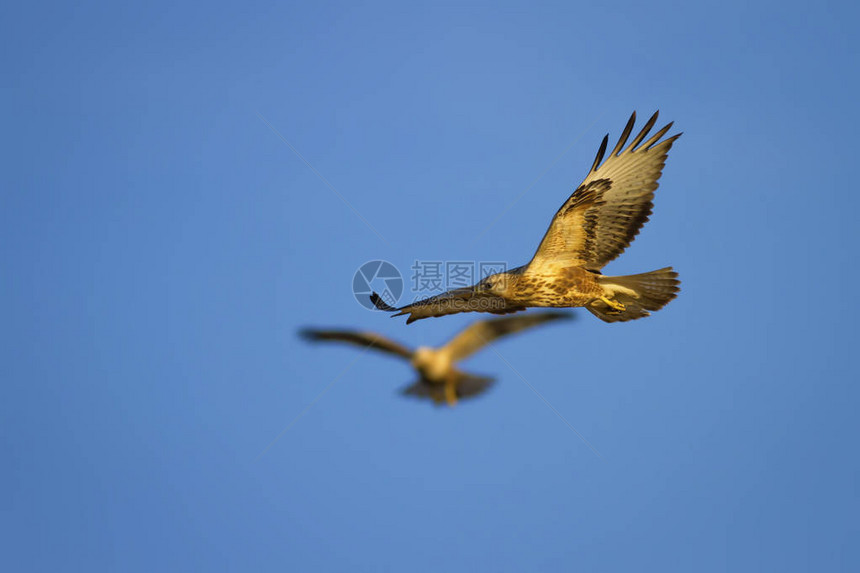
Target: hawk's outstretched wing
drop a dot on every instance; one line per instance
(364, 339)
(450, 302)
(466, 386)
(605, 213)
(480, 333)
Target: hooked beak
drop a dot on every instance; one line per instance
(464, 292)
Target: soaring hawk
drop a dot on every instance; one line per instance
(599, 220)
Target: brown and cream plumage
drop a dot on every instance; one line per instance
(595, 225)
(439, 379)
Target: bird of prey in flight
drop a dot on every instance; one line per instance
(440, 380)
(597, 222)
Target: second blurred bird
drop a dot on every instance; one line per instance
(440, 380)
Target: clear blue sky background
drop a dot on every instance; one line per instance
(160, 246)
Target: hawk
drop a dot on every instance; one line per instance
(439, 379)
(597, 222)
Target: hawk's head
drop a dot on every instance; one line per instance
(496, 284)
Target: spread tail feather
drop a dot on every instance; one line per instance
(638, 293)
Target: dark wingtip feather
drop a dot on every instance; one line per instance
(600, 152)
(654, 117)
(625, 134)
(380, 304)
(309, 334)
(655, 139)
(648, 125)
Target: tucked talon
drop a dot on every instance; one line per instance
(613, 304)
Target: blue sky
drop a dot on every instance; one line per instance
(160, 246)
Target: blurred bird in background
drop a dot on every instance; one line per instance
(440, 380)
